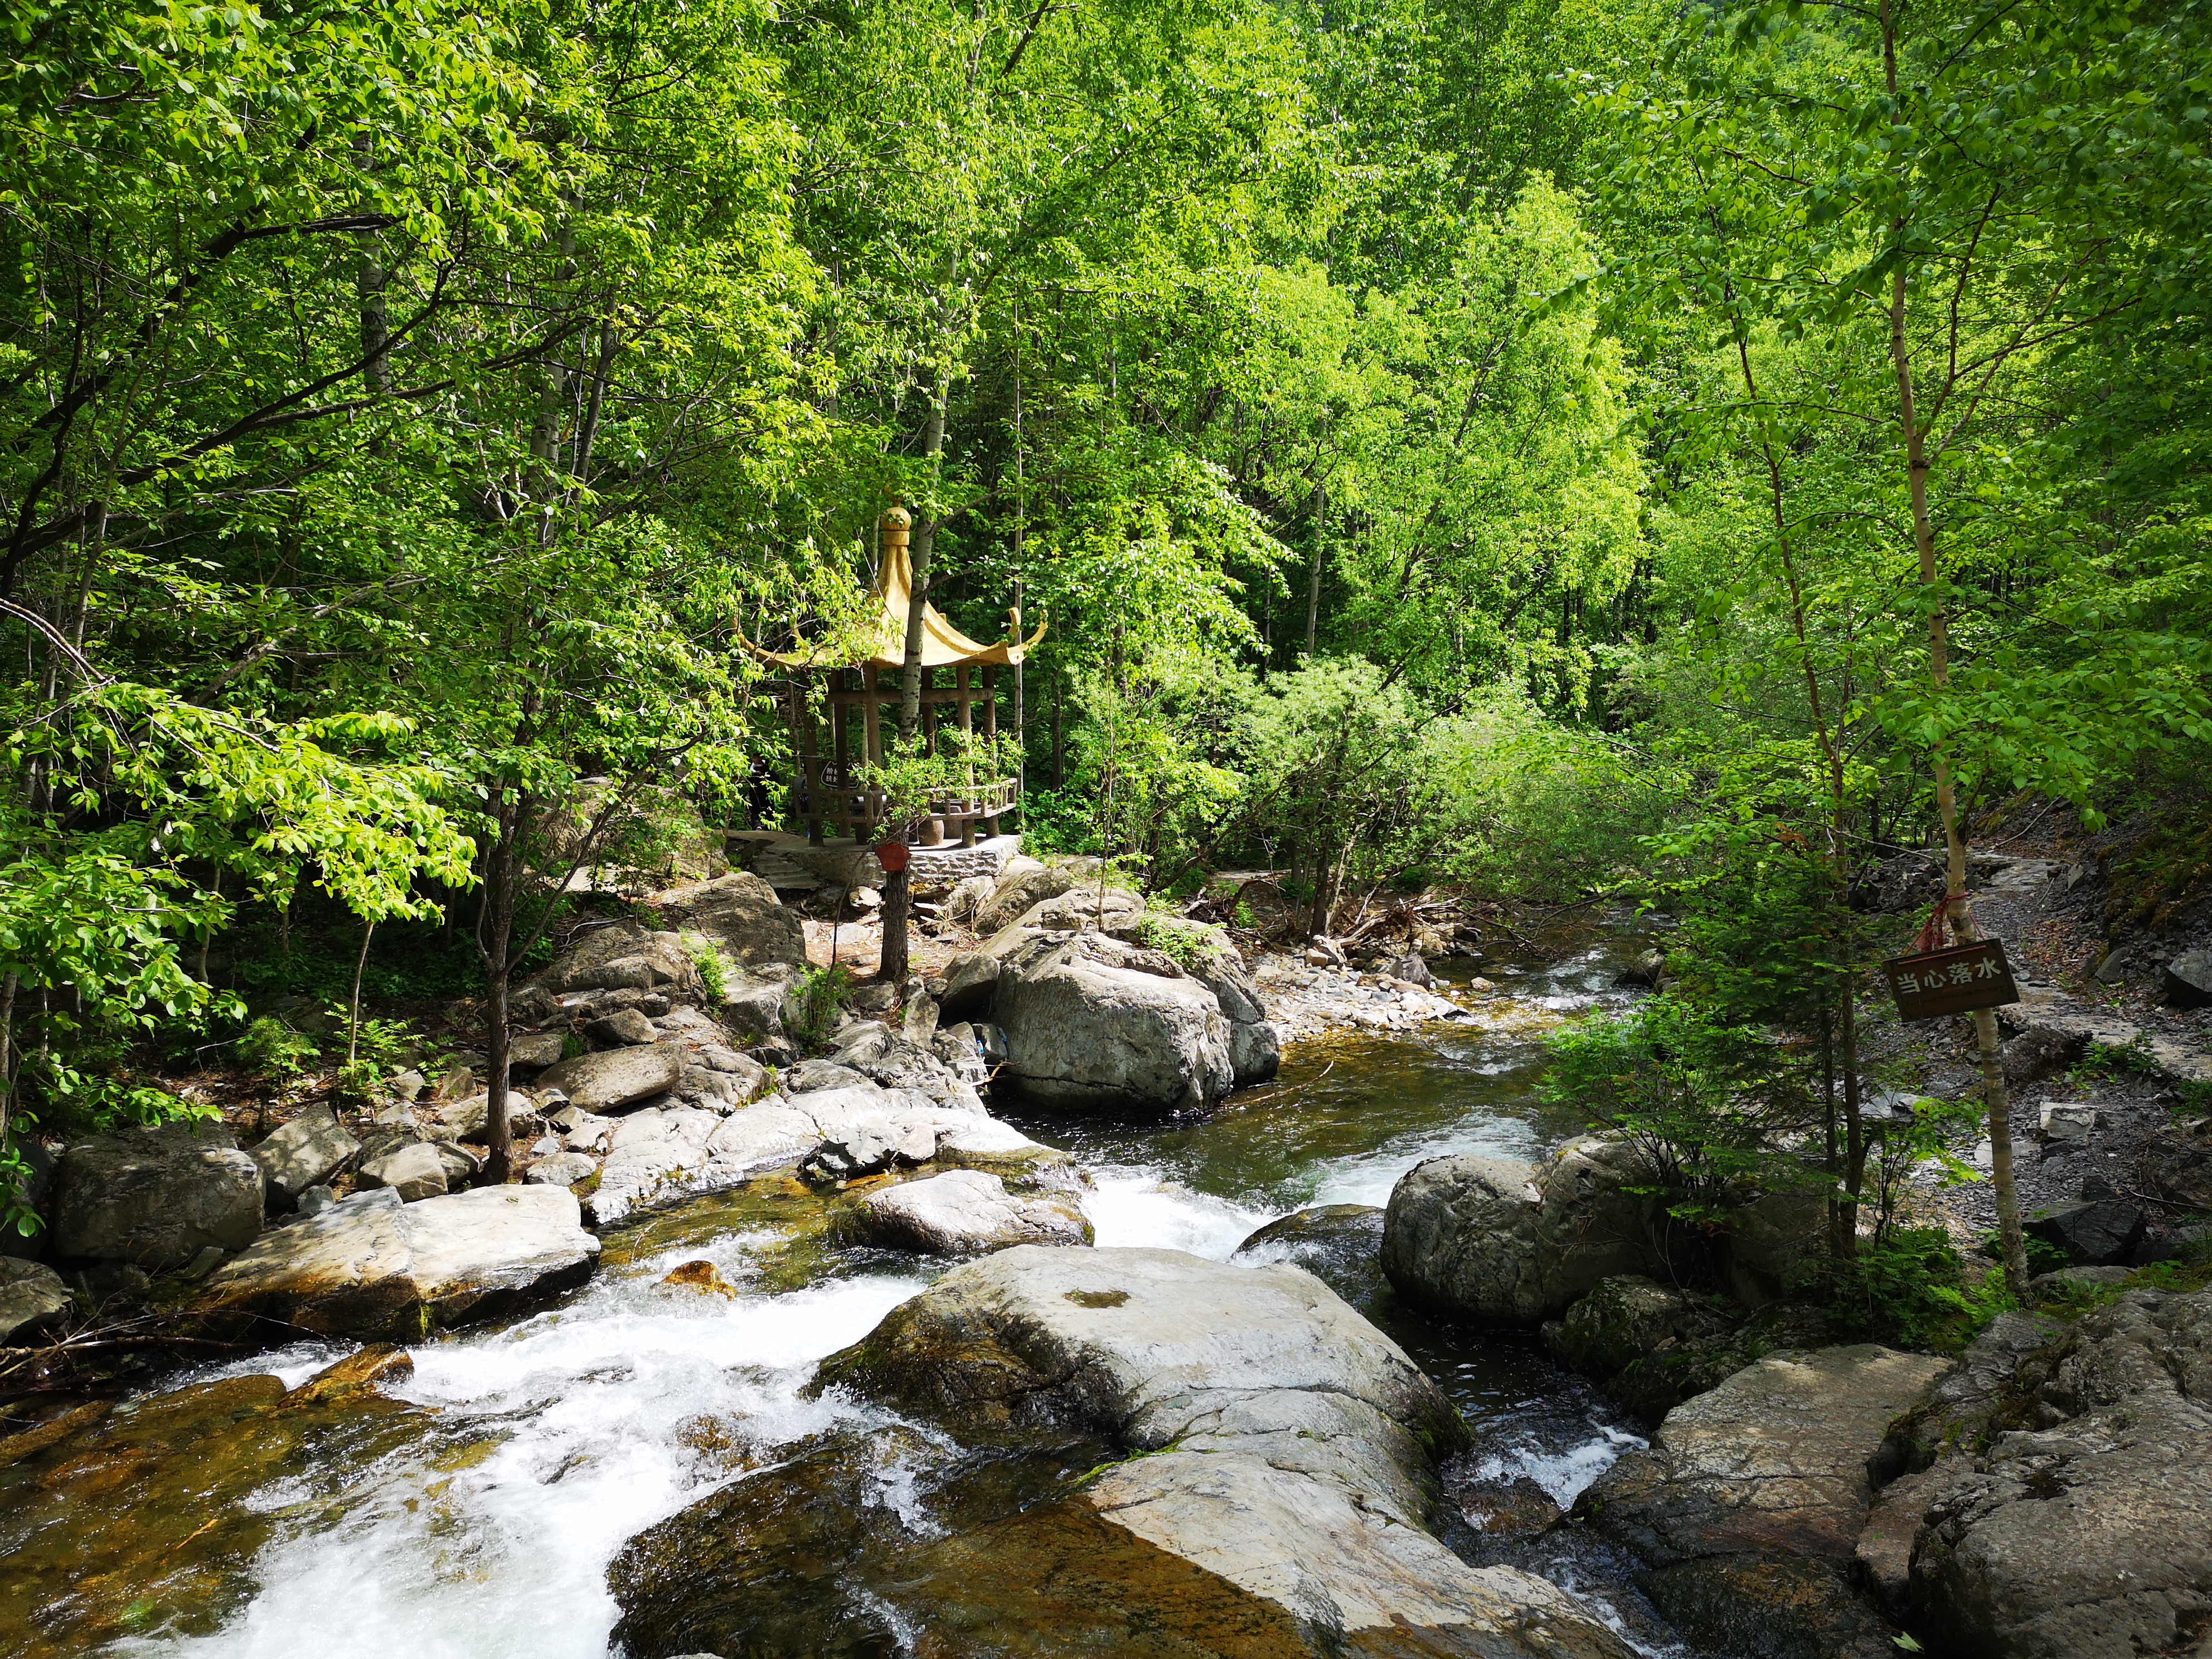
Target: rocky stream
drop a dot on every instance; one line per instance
(469, 1496)
(770, 1356)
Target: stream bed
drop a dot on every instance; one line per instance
(472, 1512)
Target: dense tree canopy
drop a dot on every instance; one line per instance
(1449, 437)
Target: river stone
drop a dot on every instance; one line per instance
(1622, 1319)
(1747, 1506)
(1082, 1032)
(1290, 1445)
(1499, 1239)
(1017, 890)
(962, 1212)
(740, 913)
(1000, 1149)
(157, 1197)
(562, 1169)
(532, 1051)
(1082, 906)
(2189, 978)
(624, 956)
(304, 1152)
(1340, 1244)
(31, 1294)
(625, 1028)
(414, 1172)
(360, 1271)
(616, 1078)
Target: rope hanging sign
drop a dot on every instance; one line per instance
(1934, 983)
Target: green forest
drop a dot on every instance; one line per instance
(1590, 451)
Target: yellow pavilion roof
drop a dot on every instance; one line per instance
(882, 641)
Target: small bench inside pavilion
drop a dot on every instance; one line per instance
(859, 697)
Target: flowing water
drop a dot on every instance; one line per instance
(477, 1518)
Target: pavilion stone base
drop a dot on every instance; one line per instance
(789, 863)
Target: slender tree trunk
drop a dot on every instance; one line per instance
(892, 970)
(1313, 575)
(1995, 1095)
(7, 1058)
(353, 1023)
(923, 546)
(1060, 731)
(1844, 1230)
(499, 931)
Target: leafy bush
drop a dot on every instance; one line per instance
(276, 1053)
(714, 972)
(1709, 1106)
(2106, 1062)
(1914, 1288)
(821, 994)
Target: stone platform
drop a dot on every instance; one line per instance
(790, 864)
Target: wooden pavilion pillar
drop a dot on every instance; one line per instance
(871, 719)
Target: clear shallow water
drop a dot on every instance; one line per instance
(537, 1449)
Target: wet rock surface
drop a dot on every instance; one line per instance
(360, 1269)
(137, 1520)
(963, 1212)
(1500, 1239)
(32, 1297)
(1748, 1505)
(1278, 1507)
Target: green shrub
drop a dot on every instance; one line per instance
(276, 1053)
(714, 972)
(1913, 1287)
(821, 994)
(2104, 1062)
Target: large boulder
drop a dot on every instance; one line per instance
(615, 1077)
(624, 956)
(1131, 1031)
(1747, 1508)
(1497, 1239)
(963, 1213)
(1022, 884)
(399, 1272)
(739, 913)
(157, 1197)
(1254, 1053)
(1267, 1480)
(2086, 1534)
(304, 1152)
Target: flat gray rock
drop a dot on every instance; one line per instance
(304, 1152)
(1291, 1444)
(1749, 1503)
(415, 1172)
(605, 1082)
(741, 915)
(399, 1273)
(155, 1197)
(963, 1212)
(561, 1170)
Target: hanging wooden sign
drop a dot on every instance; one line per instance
(1953, 981)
